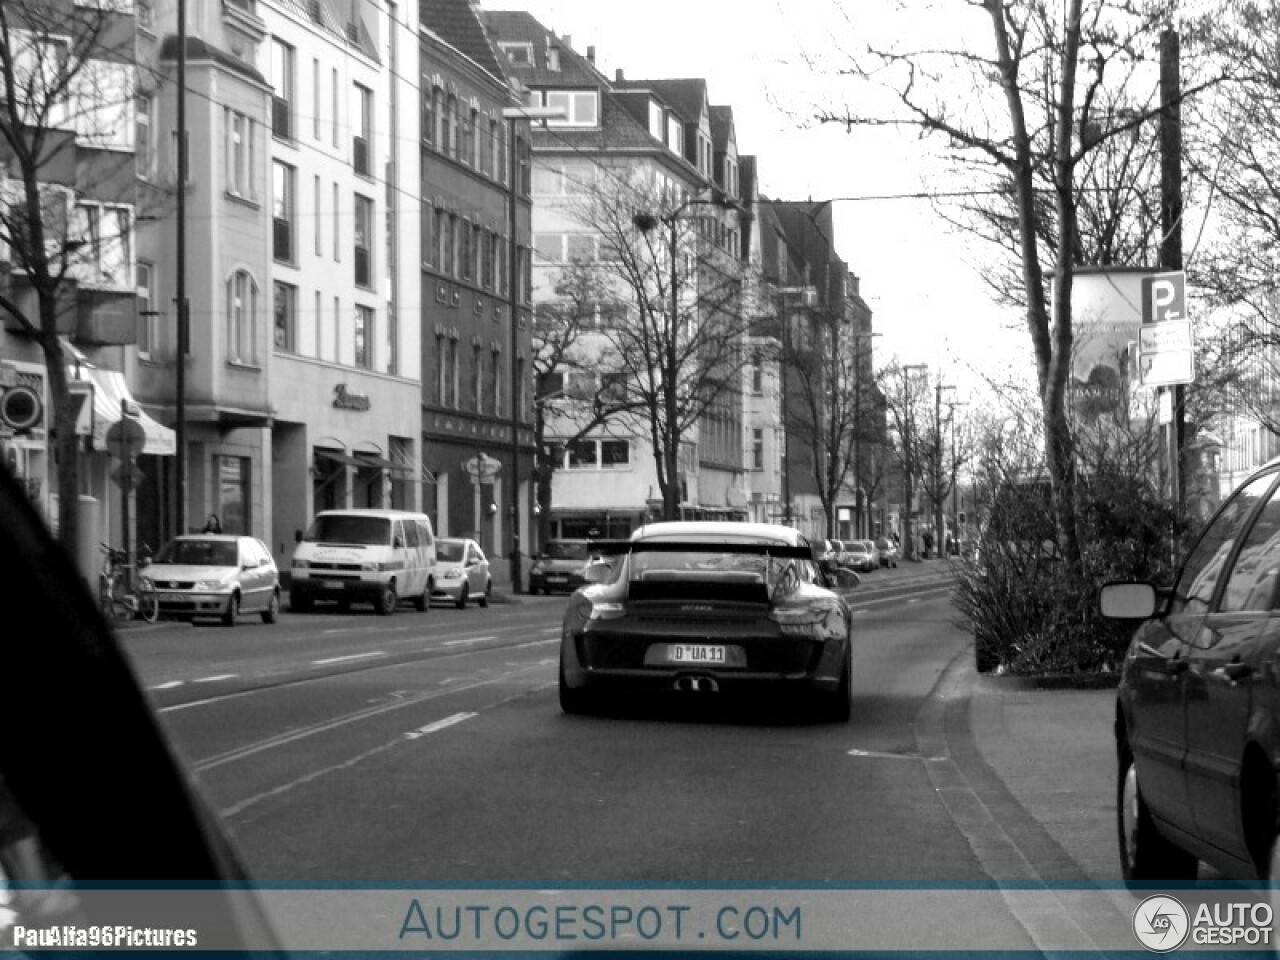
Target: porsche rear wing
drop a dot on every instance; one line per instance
(613, 548)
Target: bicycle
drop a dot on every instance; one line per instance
(120, 597)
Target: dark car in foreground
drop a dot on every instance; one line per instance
(700, 608)
(1198, 716)
(560, 567)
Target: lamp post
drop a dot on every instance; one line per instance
(646, 222)
(513, 308)
(908, 455)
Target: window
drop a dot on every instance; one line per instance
(362, 124)
(240, 155)
(656, 119)
(519, 389)
(337, 223)
(315, 98)
(757, 449)
(318, 219)
(581, 247)
(282, 60)
(615, 453)
(428, 112)
(144, 137)
(477, 379)
(363, 240)
(443, 245)
(286, 317)
(334, 87)
(550, 247)
(105, 255)
(233, 488)
(319, 325)
(441, 370)
(440, 108)
(467, 138)
(520, 54)
(1194, 590)
(449, 130)
(99, 96)
(496, 382)
(428, 239)
(581, 107)
(485, 243)
(477, 246)
(583, 454)
(282, 215)
(1256, 572)
(455, 399)
(495, 149)
(242, 307)
(145, 274)
(675, 134)
(757, 374)
(464, 249)
(364, 337)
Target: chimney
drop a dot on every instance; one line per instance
(591, 55)
(620, 78)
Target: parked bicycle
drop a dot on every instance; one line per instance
(123, 593)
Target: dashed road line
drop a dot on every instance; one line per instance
(439, 725)
(215, 678)
(372, 654)
(166, 686)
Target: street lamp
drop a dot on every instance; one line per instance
(646, 222)
(908, 455)
(513, 307)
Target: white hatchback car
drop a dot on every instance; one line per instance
(215, 575)
(462, 572)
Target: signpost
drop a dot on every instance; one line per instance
(1165, 345)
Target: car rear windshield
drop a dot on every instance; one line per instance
(199, 553)
(566, 550)
(450, 551)
(364, 531)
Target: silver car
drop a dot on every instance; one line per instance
(462, 572)
(216, 575)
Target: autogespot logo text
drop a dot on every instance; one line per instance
(1161, 924)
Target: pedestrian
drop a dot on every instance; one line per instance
(212, 524)
(928, 543)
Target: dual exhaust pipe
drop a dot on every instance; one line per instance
(696, 685)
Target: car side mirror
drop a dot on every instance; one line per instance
(1127, 601)
(845, 579)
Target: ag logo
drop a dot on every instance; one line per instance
(1161, 923)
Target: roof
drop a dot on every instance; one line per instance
(518, 26)
(721, 127)
(686, 96)
(718, 529)
(458, 23)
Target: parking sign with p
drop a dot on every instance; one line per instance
(1164, 297)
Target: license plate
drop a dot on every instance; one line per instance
(555, 579)
(175, 597)
(332, 584)
(695, 653)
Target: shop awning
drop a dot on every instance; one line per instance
(373, 460)
(339, 457)
(111, 393)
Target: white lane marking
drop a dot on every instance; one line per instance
(465, 641)
(213, 679)
(166, 686)
(550, 631)
(439, 725)
(537, 643)
(913, 600)
(883, 755)
(352, 656)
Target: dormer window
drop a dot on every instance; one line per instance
(553, 58)
(520, 54)
(581, 107)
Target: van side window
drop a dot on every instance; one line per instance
(411, 534)
(426, 533)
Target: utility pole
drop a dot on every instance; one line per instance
(180, 288)
(1171, 231)
(908, 456)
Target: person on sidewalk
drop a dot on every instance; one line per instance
(928, 543)
(212, 524)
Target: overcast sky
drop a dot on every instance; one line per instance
(758, 57)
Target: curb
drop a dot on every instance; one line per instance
(1051, 681)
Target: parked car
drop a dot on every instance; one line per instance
(860, 555)
(216, 575)
(462, 572)
(560, 566)
(888, 551)
(699, 608)
(1197, 717)
(372, 556)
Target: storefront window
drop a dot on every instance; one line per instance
(232, 485)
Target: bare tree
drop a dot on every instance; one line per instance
(908, 407)
(676, 358)
(1044, 130)
(66, 95)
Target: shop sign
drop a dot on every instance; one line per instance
(345, 399)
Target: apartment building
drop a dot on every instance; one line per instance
(474, 196)
(653, 142)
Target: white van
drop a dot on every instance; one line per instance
(365, 556)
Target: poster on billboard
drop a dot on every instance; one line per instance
(1107, 310)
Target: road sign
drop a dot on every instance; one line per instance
(1165, 354)
(1164, 297)
(126, 438)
